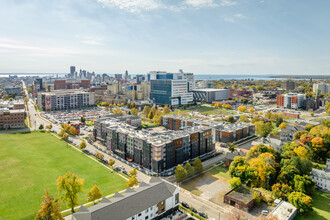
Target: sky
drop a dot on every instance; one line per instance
(200, 36)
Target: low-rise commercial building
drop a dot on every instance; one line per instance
(154, 200)
(241, 198)
(210, 95)
(65, 99)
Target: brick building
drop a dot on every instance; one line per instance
(12, 118)
(71, 84)
(290, 100)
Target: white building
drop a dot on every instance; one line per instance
(284, 211)
(210, 95)
(152, 200)
(322, 87)
(322, 177)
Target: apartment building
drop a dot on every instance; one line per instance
(154, 200)
(221, 132)
(321, 87)
(12, 90)
(291, 100)
(171, 88)
(15, 104)
(12, 118)
(289, 85)
(65, 99)
(154, 150)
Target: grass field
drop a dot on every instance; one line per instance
(321, 207)
(32, 162)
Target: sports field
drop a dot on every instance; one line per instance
(32, 162)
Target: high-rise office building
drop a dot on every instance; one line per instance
(118, 77)
(171, 88)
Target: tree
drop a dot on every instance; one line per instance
(117, 111)
(232, 147)
(83, 119)
(150, 115)
(198, 165)
(312, 114)
(111, 162)
(132, 181)
(251, 110)
(65, 136)
(327, 107)
(189, 169)
(242, 108)
(104, 103)
(301, 201)
(282, 126)
(49, 127)
(263, 129)
(70, 185)
(235, 182)
(302, 152)
(72, 130)
(281, 191)
(153, 110)
(146, 111)
(166, 110)
(180, 173)
(134, 111)
(257, 198)
(99, 156)
(255, 119)
(244, 100)
(304, 184)
(50, 209)
(41, 126)
(62, 132)
(320, 149)
(243, 118)
(231, 119)
(94, 194)
(133, 172)
(259, 112)
(83, 145)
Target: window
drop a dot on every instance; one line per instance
(146, 210)
(146, 217)
(177, 198)
(139, 214)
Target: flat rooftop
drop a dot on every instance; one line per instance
(242, 194)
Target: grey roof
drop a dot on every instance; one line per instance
(320, 174)
(130, 204)
(104, 200)
(231, 156)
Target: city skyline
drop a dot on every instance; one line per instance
(200, 36)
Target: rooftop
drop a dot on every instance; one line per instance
(284, 211)
(242, 194)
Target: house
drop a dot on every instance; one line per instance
(241, 197)
(322, 177)
(284, 211)
(287, 133)
(229, 157)
(153, 200)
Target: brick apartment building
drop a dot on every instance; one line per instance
(12, 118)
(290, 100)
(71, 84)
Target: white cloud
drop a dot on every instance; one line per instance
(209, 3)
(92, 40)
(233, 18)
(134, 6)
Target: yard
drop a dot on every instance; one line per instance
(211, 185)
(321, 207)
(32, 162)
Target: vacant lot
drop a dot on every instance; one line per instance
(32, 162)
(211, 185)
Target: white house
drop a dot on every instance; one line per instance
(322, 177)
(153, 200)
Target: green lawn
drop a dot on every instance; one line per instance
(32, 162)
(220, 171)
(321, 207)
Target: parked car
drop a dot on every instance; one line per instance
(194, 210)
(202, 214)
(264, 212)
(185, 205)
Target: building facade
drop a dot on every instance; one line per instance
(322, 177)
(71, 84)
(321, 87)
(12, 90)
(210, 95)
(291, 100)
(171, 88)
(12, 118)
(289, 85)
(65, 99)
(154, 200)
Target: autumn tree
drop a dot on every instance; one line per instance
(50, 209)
(104, 103)
(82, 119)
(83, 145)
(62, 132)
(235, 182)
(302, 152)
(231, 119)
(94, 194)
(197, 164)
(251, 110)
(72, 130)
(99, 156)
(301, 201)
(117, 111)
(304, 184)
(327, 107)
(281, 191)
(134, 111)
(263, 129)
(69, 185)
(166, 110)
(180, 173)
(132, 181)
(111, 162)
(243, 118)
(255, 119)
(282, 126)
(146, 111)
(232, 147)
(65, 136)
(133, 172)
(242, 108)
(49, 127)
(151, 115)
(189, 169)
